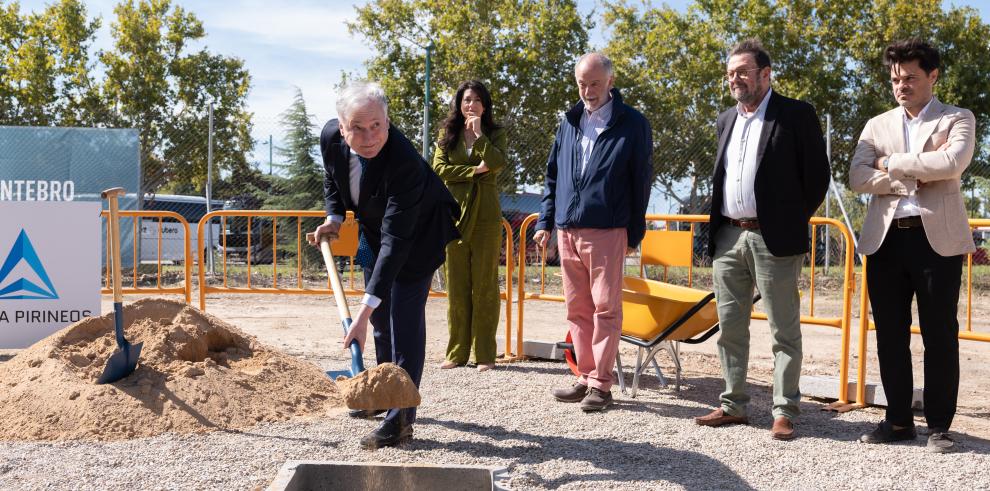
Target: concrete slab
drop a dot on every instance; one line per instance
(534, 348)
(828, 388)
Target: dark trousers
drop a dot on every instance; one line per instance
(400, 332)
(906, 266)
(380, 327)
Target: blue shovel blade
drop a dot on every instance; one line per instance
(121, 363)
(357, 363)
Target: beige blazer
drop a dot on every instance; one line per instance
(934, 175)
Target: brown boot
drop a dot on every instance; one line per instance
(782, 429)
(719, 417)
(574, 393)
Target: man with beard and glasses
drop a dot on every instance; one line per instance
(771, 174)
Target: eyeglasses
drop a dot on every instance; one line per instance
(742, 74)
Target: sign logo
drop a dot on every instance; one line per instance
(23, 265)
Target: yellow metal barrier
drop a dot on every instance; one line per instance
(136, 216)
(843, 322)
(346, 246)
(866, 325)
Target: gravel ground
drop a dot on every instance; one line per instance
(506, 418)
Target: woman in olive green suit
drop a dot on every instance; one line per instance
(468, 158)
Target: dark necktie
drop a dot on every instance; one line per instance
(364, 257)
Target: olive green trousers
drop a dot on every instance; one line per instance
(473, 294)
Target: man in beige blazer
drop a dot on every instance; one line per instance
(915, 235)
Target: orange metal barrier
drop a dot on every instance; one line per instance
(346, 245)
(136, 216)
(866, 325)
(843, 322)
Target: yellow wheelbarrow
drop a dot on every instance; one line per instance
(656, 316)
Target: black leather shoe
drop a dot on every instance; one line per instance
(574, 393)
(389, 434)
(366, 413)
(596, 400)
(885, 433)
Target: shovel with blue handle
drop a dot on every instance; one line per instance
(357, 363)
(123, 361)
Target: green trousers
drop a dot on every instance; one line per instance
(741, 262)
(473, 294)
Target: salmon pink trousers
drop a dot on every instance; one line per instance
(592, 262)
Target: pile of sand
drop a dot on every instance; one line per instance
(385, 386)
(196, 373)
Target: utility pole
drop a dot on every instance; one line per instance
(269, 155)
(209, 191)
(426, 105)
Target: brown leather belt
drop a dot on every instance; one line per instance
(746, 223)
(908, 222)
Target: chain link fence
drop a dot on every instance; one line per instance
(271, 175)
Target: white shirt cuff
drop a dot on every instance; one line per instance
(371, 300)
(335, 218)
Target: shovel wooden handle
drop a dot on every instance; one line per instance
(114, 223)
(338, 286)
(357, 363)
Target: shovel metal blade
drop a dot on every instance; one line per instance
(121, 363)
(333, 374)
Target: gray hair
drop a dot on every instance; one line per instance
(596, 57)
(359, 93)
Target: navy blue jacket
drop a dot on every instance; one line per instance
(614, 190)
(405, 211)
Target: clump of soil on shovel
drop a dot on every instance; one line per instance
(385, 386)
(196, 373)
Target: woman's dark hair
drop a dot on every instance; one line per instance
(454, 123)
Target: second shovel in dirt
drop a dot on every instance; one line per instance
(385, 386)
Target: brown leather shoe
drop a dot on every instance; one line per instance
(574, 393)
(718, 417)
(782, 429)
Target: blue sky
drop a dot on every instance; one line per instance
(297, 43)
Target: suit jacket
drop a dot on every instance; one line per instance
(478, 195)
(405, 211)
(942, 210)
(792, 177)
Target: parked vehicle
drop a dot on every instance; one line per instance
(192, 209)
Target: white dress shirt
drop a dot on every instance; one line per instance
(593, 124)
(354, 182)
(908, 206)
(740, 162)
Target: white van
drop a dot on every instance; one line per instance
(192, 208)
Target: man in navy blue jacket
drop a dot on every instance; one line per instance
(597, 189)
(406, 215)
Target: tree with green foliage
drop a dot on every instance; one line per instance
(302, 188)
(150, 80)
(44, 64)
(524, 51)
(827, 52)
(155, 84)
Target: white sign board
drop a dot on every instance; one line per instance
(49, 268)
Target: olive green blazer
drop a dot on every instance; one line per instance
(476, 194)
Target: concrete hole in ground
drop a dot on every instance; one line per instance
(298, 475)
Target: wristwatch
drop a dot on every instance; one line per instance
(886, 163)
